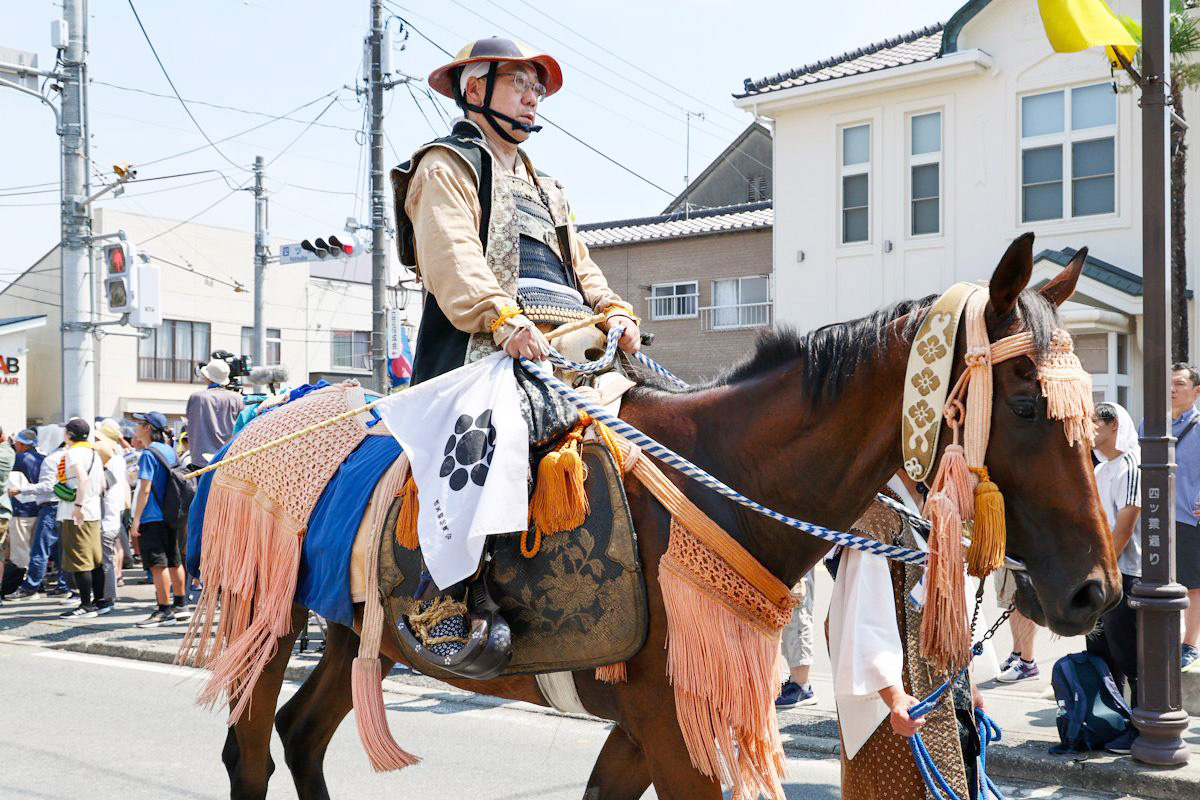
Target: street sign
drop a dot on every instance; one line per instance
(10, 60)
(392, 323)
(292, 254)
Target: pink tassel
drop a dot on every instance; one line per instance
(945, 642)
(612, 673)
(955, 480)
(371, 718)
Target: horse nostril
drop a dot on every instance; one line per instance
(1090, 597)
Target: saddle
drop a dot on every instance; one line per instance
(578, 603)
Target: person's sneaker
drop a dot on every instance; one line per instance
(102, 610)
(23, 593)
(793, 694)
(70, 598)
(1122, 743)
(79, 612)
(158, 619)
(57, 592)
(182, 613)
(1019, 671)
(1008, 662)
(1188, 657)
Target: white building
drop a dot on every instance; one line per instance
(910, 164)
(14, 368)
(318, 318)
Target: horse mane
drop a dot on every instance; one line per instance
(830, 355)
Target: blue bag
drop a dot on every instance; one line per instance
(1091, 712)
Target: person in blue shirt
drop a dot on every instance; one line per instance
(156, 540)
(25, 512)
(1185, 389)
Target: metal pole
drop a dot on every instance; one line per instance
(1159, 600)
(78, 376)
(259, 340)
(378, 209)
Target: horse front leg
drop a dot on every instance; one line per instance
(307, 721)
(620, 772)
(247, 751)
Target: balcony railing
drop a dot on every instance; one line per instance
(673, 306)
(744, 315)
(168, 370)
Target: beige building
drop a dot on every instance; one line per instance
(701, 282)
(14, 368)
(911, 163)
(318, 318)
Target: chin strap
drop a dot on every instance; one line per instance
(490, 114)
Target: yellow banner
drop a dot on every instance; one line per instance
(1074, 25)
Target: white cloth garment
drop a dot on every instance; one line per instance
(468, 444)
(1127, 435)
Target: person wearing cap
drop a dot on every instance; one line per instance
(82, 474)
(8, 458)
(158, 541)
(211, 413)
(45, 543)
(111, 447)
(490, 236)
(25, 512)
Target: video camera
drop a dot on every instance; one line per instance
(239, 367)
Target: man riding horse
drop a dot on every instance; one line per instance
(491, 237)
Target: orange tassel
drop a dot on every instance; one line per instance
(406, 522)
(612, 673)
(945, 642)
(559, 502)
(371, 718)
(989, 539)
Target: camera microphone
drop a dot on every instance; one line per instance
(267, 374)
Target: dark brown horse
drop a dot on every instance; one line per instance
(808, 425)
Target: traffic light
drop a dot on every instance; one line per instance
(120, 277)
(333, 246)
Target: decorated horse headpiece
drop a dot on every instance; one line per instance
(963, 498)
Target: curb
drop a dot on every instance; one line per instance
(807, 733)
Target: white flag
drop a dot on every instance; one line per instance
(468, 446)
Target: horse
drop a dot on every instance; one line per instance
(807, 426)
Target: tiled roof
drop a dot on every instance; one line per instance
(919, 45)
(728, 219)
(1098, 270)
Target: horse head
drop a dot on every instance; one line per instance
(1055, 522)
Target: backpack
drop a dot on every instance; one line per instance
(1091, 712)
(177, 497)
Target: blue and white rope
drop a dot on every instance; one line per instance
(668, 456)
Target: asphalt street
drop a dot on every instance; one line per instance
(79, 725)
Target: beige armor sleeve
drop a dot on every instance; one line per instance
(444, 207)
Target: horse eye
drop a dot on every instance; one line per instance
(1024, 407)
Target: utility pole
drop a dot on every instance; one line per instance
(687, 163)
(1157, 596)
(259, 340)
(78, 355)
(378, 209)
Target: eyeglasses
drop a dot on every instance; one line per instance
(522, 83)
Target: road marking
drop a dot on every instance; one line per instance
(123, 663)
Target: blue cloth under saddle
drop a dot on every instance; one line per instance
(324, 581)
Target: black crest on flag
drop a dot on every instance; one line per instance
(469, 450)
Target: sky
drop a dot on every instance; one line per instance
(632, 71)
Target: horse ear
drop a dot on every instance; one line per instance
(1012, 275)
(1062, 286)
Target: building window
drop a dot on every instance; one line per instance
(756, 189)
(1106, 357)
(351, 349)
(674, 300)
(738, 303)
(1068, 153)
(855, 186)
(172, 352)
(273, 346)
(925, 174)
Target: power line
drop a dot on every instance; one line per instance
(6, 293)
(284, 118)
(237, 287)
(424, 116)
(626, 61)
(598, 152)
(207, 208)
(305, 130)
(314, 189)
(167, 75)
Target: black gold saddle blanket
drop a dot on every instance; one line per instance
(579, 603)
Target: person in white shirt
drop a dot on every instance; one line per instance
(80, 483)
(1118, 479)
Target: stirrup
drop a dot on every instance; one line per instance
(487, 648)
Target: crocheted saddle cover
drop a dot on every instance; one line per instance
(254, 524)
